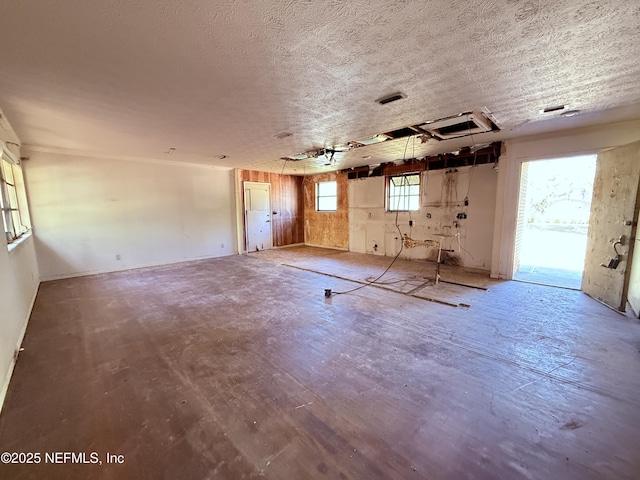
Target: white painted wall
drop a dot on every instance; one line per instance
(370, 224)
(18, 288)
(86, 211)
(556, 145)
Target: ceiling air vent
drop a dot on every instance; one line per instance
(555, 108)
(462, 125)
(391, 98)
(282, 135)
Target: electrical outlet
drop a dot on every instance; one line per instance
(117, 256)
(411, 223)
(222, 245)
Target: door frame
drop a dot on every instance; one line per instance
(633, 268)
(521, 208)
(246, 184)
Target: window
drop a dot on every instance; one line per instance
(13, 199)
(403, 194)
(326, 196)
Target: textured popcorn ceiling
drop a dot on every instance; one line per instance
(135, 78)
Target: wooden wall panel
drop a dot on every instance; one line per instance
(286, 201)
(327, 229)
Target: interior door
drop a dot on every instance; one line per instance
(257, 202)
(613, 219)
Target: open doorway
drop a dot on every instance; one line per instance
(553, 220)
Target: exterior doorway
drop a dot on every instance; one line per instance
(553, 220)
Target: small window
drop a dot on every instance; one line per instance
(12, 201)
(326, 196)
(403, 194)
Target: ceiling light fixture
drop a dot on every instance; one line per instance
(221, 157)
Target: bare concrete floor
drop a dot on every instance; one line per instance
(239, 367)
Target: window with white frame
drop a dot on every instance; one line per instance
(13, 199)
(326, 196)
(403, 193)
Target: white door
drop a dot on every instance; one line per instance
(257, 206)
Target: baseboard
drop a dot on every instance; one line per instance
(88, 273)
(289, 246)
(9, 373)
(326, 246)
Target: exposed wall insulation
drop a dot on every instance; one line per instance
(326, 229)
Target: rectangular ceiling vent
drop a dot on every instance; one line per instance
(394, 97)
(462, 125)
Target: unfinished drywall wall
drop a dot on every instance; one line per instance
(19, 281)
(326, 229)
(98, 215)
(443, 194)
(287, 219)
(613, 211)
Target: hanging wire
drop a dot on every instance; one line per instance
(404, 156)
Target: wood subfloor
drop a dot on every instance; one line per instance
(239, 367)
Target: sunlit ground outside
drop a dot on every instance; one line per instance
(554, 236)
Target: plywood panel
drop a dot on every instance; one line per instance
(613, 210)
(327, 229)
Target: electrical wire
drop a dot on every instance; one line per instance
(376, 279)
(285, 164)
(420, 276)
(404, 156)
(475, 156)
(467, 252)
(466, 197)
(473, 167)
